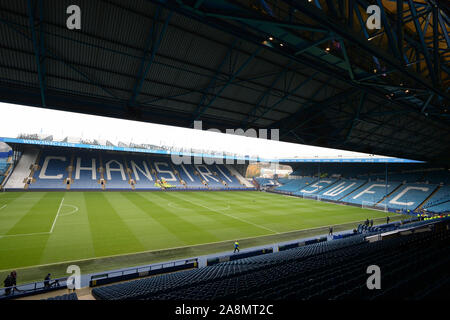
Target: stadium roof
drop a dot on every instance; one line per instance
(311, 69)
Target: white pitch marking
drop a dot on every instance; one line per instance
(57, 214)
(172, 248)
(228, 215)
(22, 234)
(3, 207)
(75, 209)
(175, 206)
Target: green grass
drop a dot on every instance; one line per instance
(44, 231)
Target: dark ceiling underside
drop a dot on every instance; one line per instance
(319, 80)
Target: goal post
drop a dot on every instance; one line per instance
(374, 206)
(311, 196)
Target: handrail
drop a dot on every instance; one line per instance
(147, 268)
(27, 288)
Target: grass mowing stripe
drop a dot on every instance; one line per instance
(158, 231)
(143, 225)
(38, 218)
(231, 216)
(222, 220)
(26, 240)
(70, 241)
(187, 232)
(110, 235)
(7, 200)
(280, 216)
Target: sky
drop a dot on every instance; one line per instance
(17, 119)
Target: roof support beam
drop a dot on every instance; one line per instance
(148, 42)
(388, 29)
(350, 13)
(323, 105)
(37, 51)
(285, 97)
(347, 60)
(425, 105)
(343, 31)
(213, 80)
(399, 27)
(444, 30)
(58, 58)
(313, 45)
(436, 44)
(155, 46)
(252, 21)
(356, 117)
(422, 40)
(265, 94)
(201, 109)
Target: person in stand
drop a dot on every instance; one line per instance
(47, 281)
(13, 276)
(371, 222)
(236, 246)
(387, 219)
(8, 284)
(367, 222)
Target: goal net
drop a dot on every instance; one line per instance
(312, 196)
(374, 206)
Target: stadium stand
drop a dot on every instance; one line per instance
(440, 208)
(58, 169)
(52, 171)
(283, 180)
(141, 173)
(326, 270)
(190, 176)
(316, 187)
(164, 172)
(22, 170)
(87, 172)
(65, 297)
(409, 196)
(412, 187)
(115, 172)
(296, 184)
(340, 189)
(437, 176)
(227, 177)
(265, 182)
(372, 192)
(441, 197)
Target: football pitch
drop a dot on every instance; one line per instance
(103, 230)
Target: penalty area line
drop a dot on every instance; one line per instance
(3, 207)
(231, 216)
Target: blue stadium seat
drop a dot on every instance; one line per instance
(52, 171)
(86, 173)
(409, 196)
(115, 172)
(326, 270)
(316, 187)
(65, 297)
(296, 184)
(371, 192)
